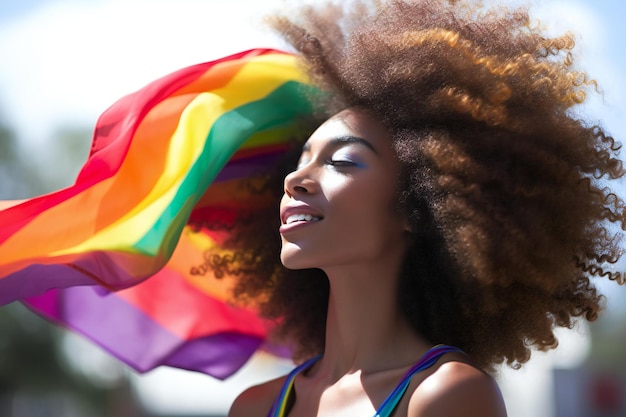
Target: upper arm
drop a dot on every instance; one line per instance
(457, 389)
(256, 400)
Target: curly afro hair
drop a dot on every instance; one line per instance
(508, 189)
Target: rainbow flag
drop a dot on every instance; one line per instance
(177, 148)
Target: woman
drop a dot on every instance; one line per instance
(454, 198)
(339, 214)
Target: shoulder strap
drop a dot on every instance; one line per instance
(428, 360)
(279, 408)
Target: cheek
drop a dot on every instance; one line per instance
(374, 200)
(367, 214)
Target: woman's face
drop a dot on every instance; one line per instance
(338, 206)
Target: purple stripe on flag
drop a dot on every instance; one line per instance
(246, 167)
(37, 279)
(105, 318)
(220, 355)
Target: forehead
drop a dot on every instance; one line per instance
(352, 123)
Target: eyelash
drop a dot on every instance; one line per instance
(336, 163)
(340, 163)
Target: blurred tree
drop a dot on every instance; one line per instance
(64, 156)
(34, 379)
(608, 334)
(14, 182)
(32, 169)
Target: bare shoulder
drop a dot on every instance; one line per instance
(257, 400)
(457, 389)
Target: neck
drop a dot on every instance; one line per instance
(365, 329)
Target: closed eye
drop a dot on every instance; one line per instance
(341, 163)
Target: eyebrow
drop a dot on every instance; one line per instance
(342, 140)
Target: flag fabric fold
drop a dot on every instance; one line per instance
(113, 256)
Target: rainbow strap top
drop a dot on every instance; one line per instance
(179, 148)
(280, 406)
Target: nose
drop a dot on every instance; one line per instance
(300, 182)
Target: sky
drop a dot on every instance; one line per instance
(63, 62)
(66, 61)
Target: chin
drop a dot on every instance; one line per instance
(291, 262)
(294, 258)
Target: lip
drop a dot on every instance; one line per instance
(297, 209)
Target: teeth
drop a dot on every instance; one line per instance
(301, 217)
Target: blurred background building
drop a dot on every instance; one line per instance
(64, 61)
